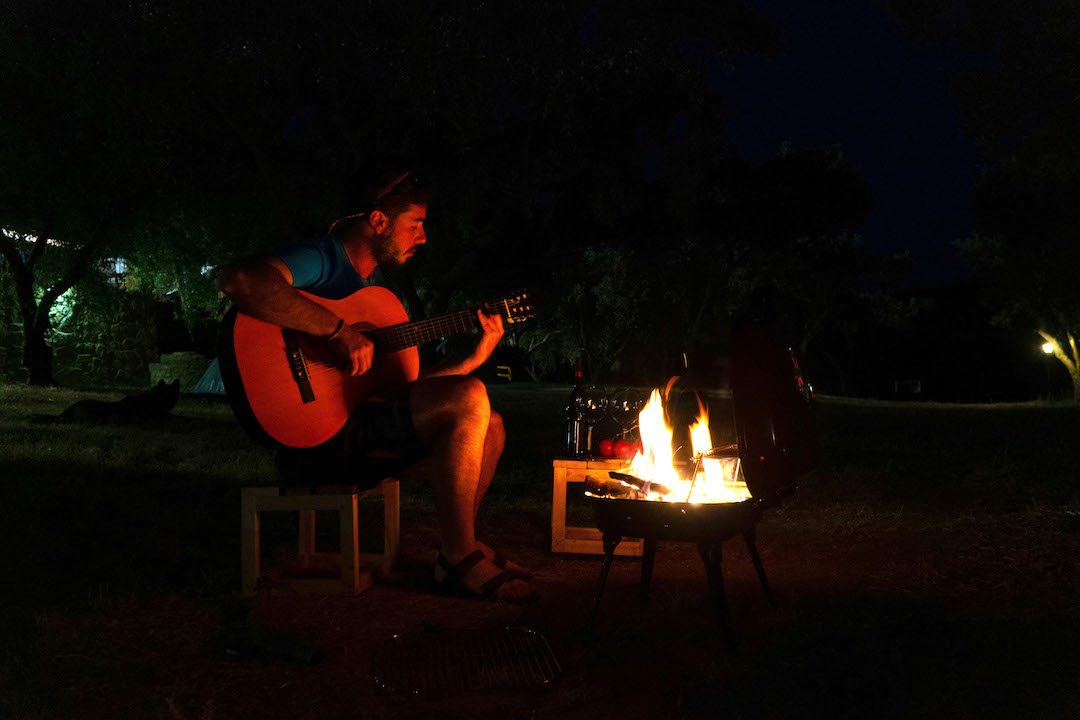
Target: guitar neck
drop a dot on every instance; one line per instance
(398, 337)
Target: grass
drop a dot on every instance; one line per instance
(925, 569)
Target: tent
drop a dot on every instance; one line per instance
(210, 383)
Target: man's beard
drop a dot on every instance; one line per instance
(382, 249)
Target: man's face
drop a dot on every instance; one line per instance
(398, 242)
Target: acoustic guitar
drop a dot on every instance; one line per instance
(291, 385)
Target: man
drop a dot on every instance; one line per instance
(444, 415)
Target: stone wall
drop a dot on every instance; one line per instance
(187, 367)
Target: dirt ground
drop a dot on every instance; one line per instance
(926, 570)
(919, 616)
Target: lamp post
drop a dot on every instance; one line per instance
(1048, 350)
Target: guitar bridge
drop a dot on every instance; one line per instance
(297, 365)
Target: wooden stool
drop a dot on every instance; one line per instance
(310, 576)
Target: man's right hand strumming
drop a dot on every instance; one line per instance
(354, 349)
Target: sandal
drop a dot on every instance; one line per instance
(500, 562)
(453, 582)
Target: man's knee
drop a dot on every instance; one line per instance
(443, 401)
(473, 389)
(469, 397)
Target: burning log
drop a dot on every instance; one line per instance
(644, 486)
(601, 487)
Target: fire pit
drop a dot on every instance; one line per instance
(775, 444)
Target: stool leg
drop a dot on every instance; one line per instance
(306, 541)
(350, 550)
(250, 551)
(391, 492)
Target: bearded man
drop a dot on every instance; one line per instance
(442, 419)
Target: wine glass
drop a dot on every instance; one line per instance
(626, 406)
(594, 405)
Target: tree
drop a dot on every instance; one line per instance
(1033, 285)
(75, 159)
(105, 140)
(1021, 105)
(222, 134)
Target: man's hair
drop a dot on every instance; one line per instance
(395, 191)
(391, 192)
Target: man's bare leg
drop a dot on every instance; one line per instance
(493, 447)
(494, 441)
(453, 415)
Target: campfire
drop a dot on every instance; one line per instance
(714, 476)
(723, 492)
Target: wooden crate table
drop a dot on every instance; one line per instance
(576, 539)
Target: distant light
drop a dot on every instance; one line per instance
(1048, 348)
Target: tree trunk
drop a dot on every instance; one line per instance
(1070, 359)
(37, 356)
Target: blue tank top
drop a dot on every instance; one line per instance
(322, 268)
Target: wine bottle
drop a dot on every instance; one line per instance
(575, 426)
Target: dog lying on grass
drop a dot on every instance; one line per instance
(154, 404)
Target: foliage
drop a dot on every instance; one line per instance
(1022, 107)
(108, 337)
(178, 256)
(589, 157)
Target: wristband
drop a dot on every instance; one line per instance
(340, 324)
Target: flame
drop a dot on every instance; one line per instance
(711, 480)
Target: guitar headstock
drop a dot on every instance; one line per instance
(514, 308)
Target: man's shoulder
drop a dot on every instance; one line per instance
(319, 265)
(324, 243)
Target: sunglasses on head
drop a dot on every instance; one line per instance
(383, 192)
(393, 185)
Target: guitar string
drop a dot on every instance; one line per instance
(454, 322)
(411, 334)
(407, 335)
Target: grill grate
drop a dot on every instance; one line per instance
(464, 660)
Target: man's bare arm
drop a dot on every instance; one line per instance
(493, 331)
(263, 289)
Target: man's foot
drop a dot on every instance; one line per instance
(477, 577)
(504, 564)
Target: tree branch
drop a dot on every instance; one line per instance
(1072, 363)
(73, 274)
(40, 242)
(10, 252)
(24, 279)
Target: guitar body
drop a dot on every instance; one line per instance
(279, 399)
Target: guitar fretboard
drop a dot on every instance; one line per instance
(404, 335)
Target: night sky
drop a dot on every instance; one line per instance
(849, 77)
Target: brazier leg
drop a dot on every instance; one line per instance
(751, 536)
(610, 543)
(648, 560)
(712, 556)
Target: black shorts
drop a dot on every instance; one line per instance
(378, 439)
(382, 427)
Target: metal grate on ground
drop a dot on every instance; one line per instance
(464, 660)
